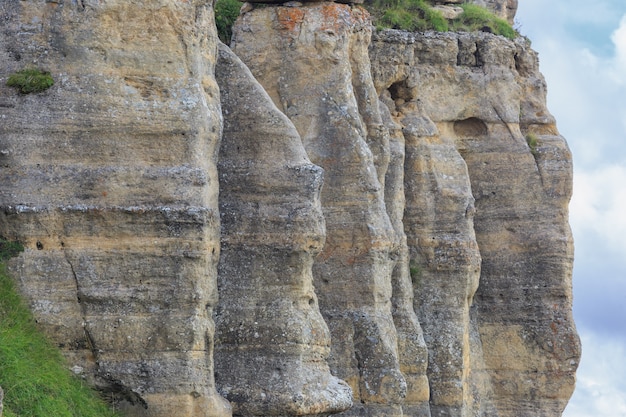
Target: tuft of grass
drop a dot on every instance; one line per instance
(33, 373)
(415, 270)
(30, 80)
(9, 249)
(476, 18)
(226, 12)
(532, 141)
(410, 15)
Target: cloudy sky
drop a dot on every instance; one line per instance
(582, 52)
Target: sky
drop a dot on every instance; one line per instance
(582, 54)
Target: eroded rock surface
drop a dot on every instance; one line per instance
(109, 180)
(314, 64)
(477, 96)
(382, 227)
(272, 342)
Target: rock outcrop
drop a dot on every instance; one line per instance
(466, 102)
(109, 179)
(272, 342)
(364, 216)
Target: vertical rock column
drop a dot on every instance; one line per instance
(109, 180)
(438, 219)
(412, 350)
(272, 342)
(301, 55)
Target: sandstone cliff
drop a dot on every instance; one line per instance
(343, 222)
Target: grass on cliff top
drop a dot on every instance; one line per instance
(419, 16)
(409, 15)
(33, 373)
(476, 18)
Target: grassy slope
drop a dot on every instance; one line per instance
(33, 373)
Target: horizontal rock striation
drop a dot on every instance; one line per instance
(467, 102)
(382, 215)
(109, 180)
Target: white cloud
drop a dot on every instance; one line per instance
(598, 206)
(601, 386)
(619, 40)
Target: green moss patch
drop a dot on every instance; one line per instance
(30, 80)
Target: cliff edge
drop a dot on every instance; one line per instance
(320, 219)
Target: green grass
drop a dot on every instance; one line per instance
(30, 80)
(410, 15)
(226, 12)
(33, 373)
(532, 141)
(476, 18)
(419, 16)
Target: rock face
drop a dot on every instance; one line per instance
(320, 52)
(466, 102)
(109, 179)
(272, 342)
(384, 237)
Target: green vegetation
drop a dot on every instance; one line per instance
(9, 249)
(410, 15)
(33, 373)
(30, 80)
(416, 272)
(476, 18)
(419, 16)
(226, 12)
(532, 141)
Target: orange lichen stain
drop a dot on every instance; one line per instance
(336, 16)
(290, 17)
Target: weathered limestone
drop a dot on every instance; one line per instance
(314, 65)
(433, 206)
(445, 261)
(109, 180)
(271, 340)
(478, 93)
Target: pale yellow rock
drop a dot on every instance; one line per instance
(313, 62)
(515, 351)
(110, 182)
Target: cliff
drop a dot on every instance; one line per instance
(316, 220)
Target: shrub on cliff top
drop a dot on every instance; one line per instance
(33, 373)
(226, 12)
(30, 80)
